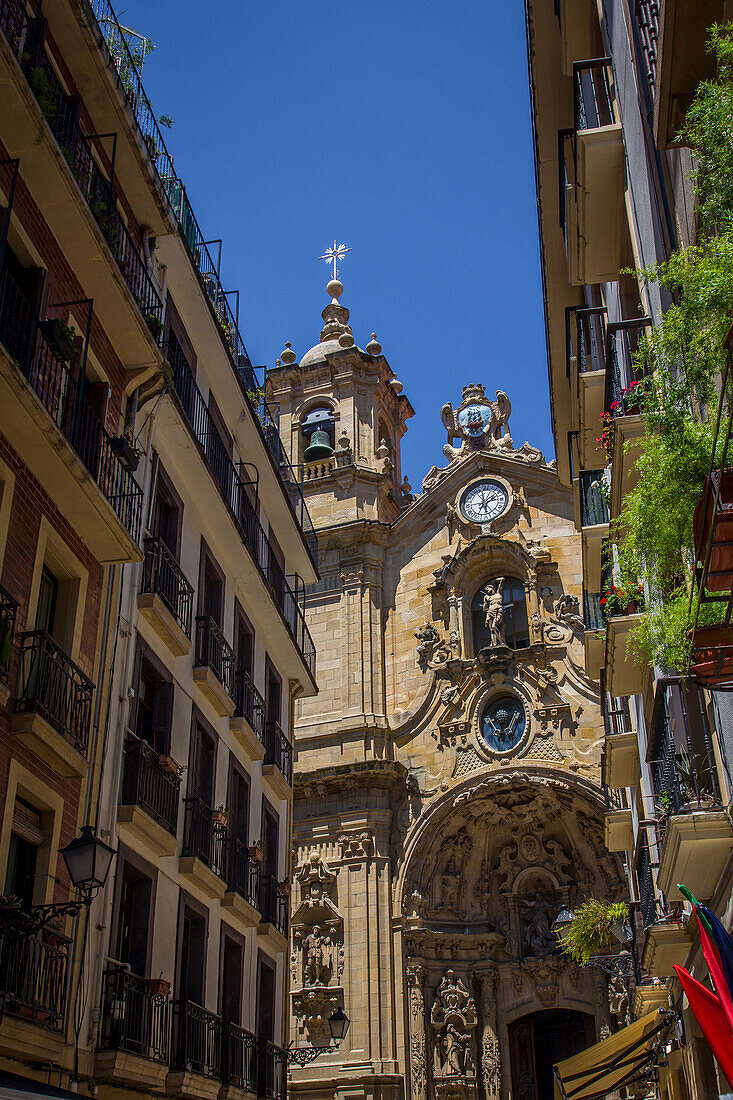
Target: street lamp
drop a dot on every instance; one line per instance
(88, 859)
(338, 1025)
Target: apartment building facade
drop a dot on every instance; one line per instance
(610, 83)
(156, 548)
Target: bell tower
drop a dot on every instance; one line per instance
(342, 418)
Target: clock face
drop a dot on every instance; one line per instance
(484, 501)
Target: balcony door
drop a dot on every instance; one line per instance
(133, 919)
(232, 962)
(203, 764)
(154, 710)
(167, 514)
(270, 838)
(265, 999)
(193, 956)
(48, 594)
(273, 690)
(238, 802)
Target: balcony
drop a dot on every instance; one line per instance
(622, 767)
(646, 18)
(696, 833)
(594, 525)
(618, 826)
(39, 389)
(248, 723)
(77, 199)
(273, 1071)
(243, 879)
(148, 810)
(166, 597)
(666, 938)
(593, 639)
(207, 1046)
(274, 908)
(8, 613)
(197, 1042)
(53, 705)
(681, 59)
(134, 1043)
(203, 856)
(278, 762)
(585, 352)
(623, 374)
(238, 492)
(33, 975)
(593, 178)
(240, 1049)
(214, 666)
(624, 674)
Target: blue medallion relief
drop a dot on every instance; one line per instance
(503, 723)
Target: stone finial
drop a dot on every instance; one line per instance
(396, 386)
(346, 339)
(335, 288)
(288, 356)
(374, 347)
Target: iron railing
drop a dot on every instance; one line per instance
(213, 651)
(593, 101)
(134, 1017)
(60, 394)
(235, 492)
(615, 711)
(244, 874)
(249, 703)
(680, 752)
(272, 1071)
(163, 576)
(585, 339)
(239, 1057)
(274, 904)
(651, 905)
(278, 750)
(615, 799)
(646, 15)
(622, 373)
(14, 23)
(592, 614)
(197, 1040)
(33, 975)
(147, 785)
(50, 684)
(204, 838)
(8, 612)
(593, 504)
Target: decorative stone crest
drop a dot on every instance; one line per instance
(356, 845)
(479, 423)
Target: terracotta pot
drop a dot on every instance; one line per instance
(712, 654)
(720, 570)
(219, 818)
(168, 765)
(631, 410)
(159, 987)
(256, 854)
(632, 607)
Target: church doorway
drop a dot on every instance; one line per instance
(538, 1041)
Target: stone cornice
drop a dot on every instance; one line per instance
(383, 774)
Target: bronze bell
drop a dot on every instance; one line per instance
(319, 447)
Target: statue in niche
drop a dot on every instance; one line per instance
(493, 606)
(316, 958)
(453, 1016)
(451, 879)
(454, 1045)
(538, 935)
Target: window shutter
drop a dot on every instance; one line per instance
(162, 716)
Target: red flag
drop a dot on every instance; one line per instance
(712, 1020)
(712, 958)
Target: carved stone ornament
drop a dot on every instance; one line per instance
(431, 652)
(453, 1019)
(566, 609)
(317, 957)
(356, 845)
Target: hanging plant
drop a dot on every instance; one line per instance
(592, 928)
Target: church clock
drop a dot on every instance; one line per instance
(484, 501)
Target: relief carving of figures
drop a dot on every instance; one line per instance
(538, 935)
(493, 605)
(566, 609)
(317, 929)
(490, 1052)
(453, 1016)
(451, 879)
(618, 999)
(428, 638)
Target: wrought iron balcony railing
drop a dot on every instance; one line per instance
(147, 785)
(274, 904)
(593, 503)
(213, 651)
(203, 837)
(249, 703)
(51, 685)
(585, 338)
(616, 715)
(244, 874)
(273, 1071)
(646, 15)
(622, 372)
(239, 1057)
(278, 750)
(651, 904)
(615, 799)
(33, 973)
(163, 576)
(235, 492)
(63, 399)
(135, 1017)
(592, 614)
(593, 101)
(197, 1039)
(8, 612)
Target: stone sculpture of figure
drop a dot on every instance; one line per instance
(451, 883)
(493, 606)
(539, 937)
(428, 638)
(455, 1048)
(453, 1016)
(316, 960)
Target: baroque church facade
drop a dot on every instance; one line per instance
(447, 776)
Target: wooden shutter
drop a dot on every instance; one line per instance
(162, 716)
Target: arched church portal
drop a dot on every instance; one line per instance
(538, 1041)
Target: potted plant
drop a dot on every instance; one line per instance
(220, 816)
(9, 903)
(159, 987)
(284, 887)
(592, 926)
(167, 764)
(255, 851)
(693, 792)
(127, 451)
(155, 325)
(631, 398)
(60, 337)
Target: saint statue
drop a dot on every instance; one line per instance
(316, 958)
(493, 606)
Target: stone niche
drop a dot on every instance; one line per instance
(453, 1022)
(317, 955)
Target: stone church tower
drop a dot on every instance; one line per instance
(447, 776)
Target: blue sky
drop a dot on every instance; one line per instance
(402, 129)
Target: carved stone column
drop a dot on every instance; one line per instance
(490, 1054)
(454, 625)
(418, 1045)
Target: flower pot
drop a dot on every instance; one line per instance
(159, 987)
(128, 456)
(219, 818)
(632, 607)
(256, 853)
(168, 765)
(284, 887)
(719, 522)
(57, 338)
(712, 654)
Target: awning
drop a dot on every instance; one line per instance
(621, 1059)
(15, 1087)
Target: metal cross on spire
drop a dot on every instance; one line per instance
(333, 255)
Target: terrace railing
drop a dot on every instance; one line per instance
(213, 651)
(147, 785)
(239, 1057)
(593, 503)
(272, 1071)
(592, 614)
(243, 874)
(593, 101)
(274, 904)
(163, 576)
(249, 703)
(278, 750)
(198, 1039)
(203, 838)
(33, 975)
(135, 1018)
(51, 685)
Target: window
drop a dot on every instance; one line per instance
(133, 919)
(25, 840)
(47, 599)
(515, 625)
(154, 709)
(320, 419)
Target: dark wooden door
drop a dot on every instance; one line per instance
(538, 1042)
(521, 1054)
